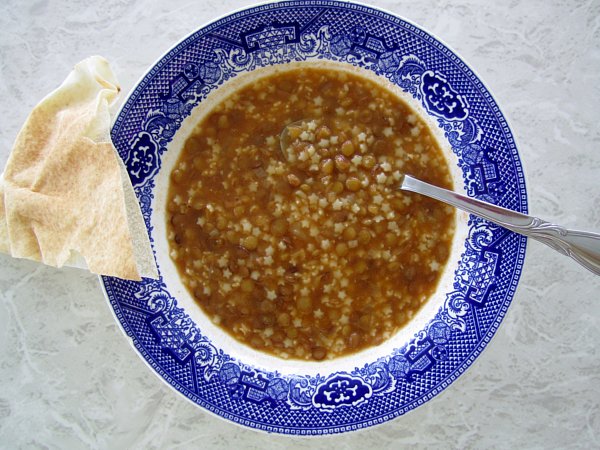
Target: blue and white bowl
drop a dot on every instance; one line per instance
(263, 392)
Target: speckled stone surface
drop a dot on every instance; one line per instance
(68, 377)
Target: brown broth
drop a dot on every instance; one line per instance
(314, 255)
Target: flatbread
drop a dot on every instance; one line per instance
(66, 196)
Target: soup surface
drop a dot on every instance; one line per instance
(309, 253)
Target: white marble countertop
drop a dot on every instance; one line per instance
(70, 380)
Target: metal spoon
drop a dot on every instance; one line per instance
(582, 246)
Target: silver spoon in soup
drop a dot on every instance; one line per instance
(582, 246)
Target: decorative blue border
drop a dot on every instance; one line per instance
(485, 278)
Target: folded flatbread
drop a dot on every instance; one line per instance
(65, 196)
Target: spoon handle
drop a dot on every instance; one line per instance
(582, 246)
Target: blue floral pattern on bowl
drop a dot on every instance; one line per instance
(485, 277)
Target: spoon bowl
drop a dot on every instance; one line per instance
(286, 137)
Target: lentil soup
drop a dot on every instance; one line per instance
(310, 253)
